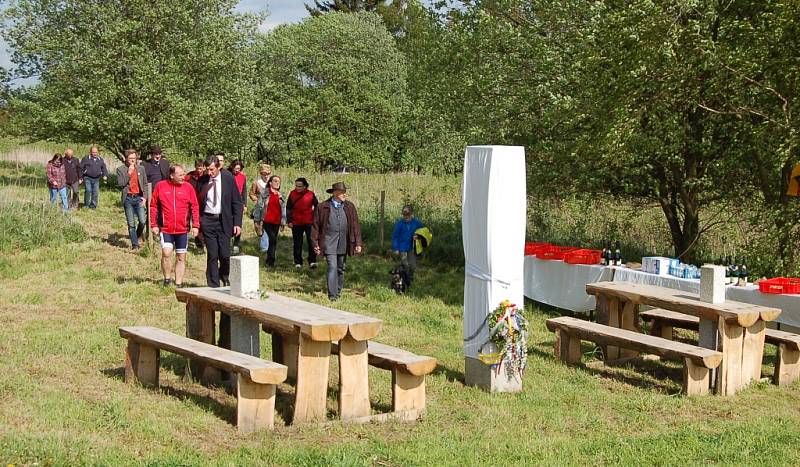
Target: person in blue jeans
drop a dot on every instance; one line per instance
(56, 181)
(93, 167)
(131, 178)
(403, 240)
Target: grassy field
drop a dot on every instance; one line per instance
(63, 400)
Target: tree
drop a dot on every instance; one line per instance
(335, 88)
(129, 73)
(343, 6)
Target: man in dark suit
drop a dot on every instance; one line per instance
(220, 219)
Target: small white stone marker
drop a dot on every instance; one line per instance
(712, 284)
(245, 333)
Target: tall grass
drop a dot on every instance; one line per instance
(27, 219)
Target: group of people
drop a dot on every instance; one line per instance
(209, 204)
(65, 175)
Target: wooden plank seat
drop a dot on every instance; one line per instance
(697, 360)
(408, 374)
(256, 380)
(787, 360)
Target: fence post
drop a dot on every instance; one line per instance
(148, 195)
(381, 220)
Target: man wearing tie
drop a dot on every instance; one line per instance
(220, 219)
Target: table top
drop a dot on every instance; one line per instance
(744, 314)
(319, 323)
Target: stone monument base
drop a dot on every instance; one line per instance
(480, 375)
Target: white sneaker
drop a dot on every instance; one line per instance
(313, 265)
(298, 266)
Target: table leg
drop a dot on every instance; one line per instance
(730, 370)
(353, 379)
(752, 353)
(284, 350)
(200, 327)
(312, 380)
(628, 322)
(612, 352)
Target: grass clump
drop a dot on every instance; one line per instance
(27, 223)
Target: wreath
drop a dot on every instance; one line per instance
(508, 336)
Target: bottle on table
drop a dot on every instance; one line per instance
(603, 260)
(609, 255)
(744, 274)
(617, 255)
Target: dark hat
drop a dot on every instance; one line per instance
(338, 186)
(155, 149)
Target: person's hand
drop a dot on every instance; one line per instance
(105, 179)
(195, 232)
(317, 250)
(80, 181)
(358, 249)
(142, 202)
(290, 225)
(237, 230)
(155, 230)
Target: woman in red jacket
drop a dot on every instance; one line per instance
(271, 211)
(172, 202)
(300, 217)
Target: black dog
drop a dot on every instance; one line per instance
(399, 279)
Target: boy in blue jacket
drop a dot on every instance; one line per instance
(403, 238)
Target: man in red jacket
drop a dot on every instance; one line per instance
(172, 203)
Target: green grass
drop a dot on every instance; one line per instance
(63, 400)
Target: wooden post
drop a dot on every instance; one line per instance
(312, 380)
(408, 391)
(731, 346)
(148, 196)
(141, 364)
(353, 378)
(381, 220)
(695, 378)
(255, 405)
(752, 353)
(568, 349)
(787, 365)
(628, 322)
(200, 327)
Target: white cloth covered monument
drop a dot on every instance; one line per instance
(493, 229)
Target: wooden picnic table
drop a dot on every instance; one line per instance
(315, 327)
(735, 329)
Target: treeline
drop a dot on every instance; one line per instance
(686, 104)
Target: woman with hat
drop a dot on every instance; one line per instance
(336, 234)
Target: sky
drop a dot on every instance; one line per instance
(279, 12)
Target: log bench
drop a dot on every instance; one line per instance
(257, 378)
(697, 360)
(787, 359)
(408, 374)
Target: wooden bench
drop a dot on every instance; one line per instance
(697, 360)
(256, 380)
(787, 360)
(408, 374)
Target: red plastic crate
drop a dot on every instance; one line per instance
(556, 252)
(780, 285)
(534, 248)
(582, 256)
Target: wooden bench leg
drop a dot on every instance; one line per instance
(200, 327)
(353, 379)
(787, 366)
(568, 349)
(695, 378)
(312, 380)
(255, 409)
(661, 330)
(141, 364)
(408, 392)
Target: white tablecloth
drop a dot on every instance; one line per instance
(562, 285)
(789, 304)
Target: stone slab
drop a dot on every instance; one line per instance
(483, 376)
